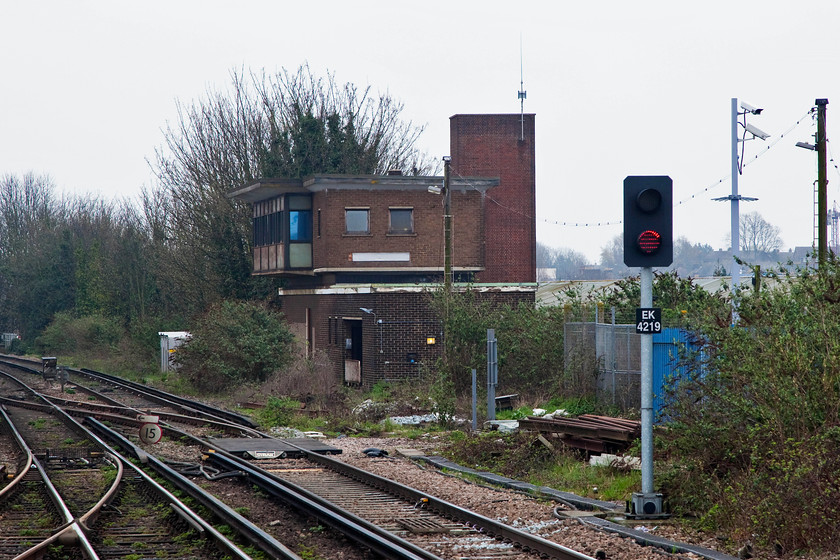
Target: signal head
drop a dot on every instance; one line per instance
(648, 221)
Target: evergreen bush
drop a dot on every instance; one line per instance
(235, 342)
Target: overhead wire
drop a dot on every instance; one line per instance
(601, 223)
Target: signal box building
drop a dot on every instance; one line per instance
(361, 255)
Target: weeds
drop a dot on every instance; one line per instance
(519, 456)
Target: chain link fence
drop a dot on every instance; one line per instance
(602, 357)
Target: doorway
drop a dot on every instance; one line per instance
(353, 350)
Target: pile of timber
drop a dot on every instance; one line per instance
(598, 434)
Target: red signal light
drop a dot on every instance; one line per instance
(649, 241)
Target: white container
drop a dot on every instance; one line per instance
(169, 343)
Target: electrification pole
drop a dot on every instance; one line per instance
(735, 198)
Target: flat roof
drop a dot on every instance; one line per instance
(264, 189)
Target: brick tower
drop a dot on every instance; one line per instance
(501, 146)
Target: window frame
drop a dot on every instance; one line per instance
(366, 210)
(298, 232)
(410, 211)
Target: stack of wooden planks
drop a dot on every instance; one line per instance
(597, 434)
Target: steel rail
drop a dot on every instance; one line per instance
(35, 372)
(356, 528)
(224, 417)
(192, 518)
(79, 408)
(314, 505)
(108, 497)
(489, 526)
(150, 393)
(23, 447)
(80, 529)
(254, 534)
(70, 530)
(170, 398)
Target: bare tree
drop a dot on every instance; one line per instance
(695, 259)
(757, 235)
(612, 257)
(29, 215)
(567, 263)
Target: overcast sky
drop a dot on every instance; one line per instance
(618, 88)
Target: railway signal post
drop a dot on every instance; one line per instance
(648, 242)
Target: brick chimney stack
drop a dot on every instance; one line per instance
(490, 146)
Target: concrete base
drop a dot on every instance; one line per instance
(646, 506)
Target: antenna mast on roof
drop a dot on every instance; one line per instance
(522, 94)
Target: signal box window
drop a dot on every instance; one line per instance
(268, 220)
(402, 221)
(300, 232)
(357, 221)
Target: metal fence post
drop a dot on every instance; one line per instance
(474, 402)
(492, 374)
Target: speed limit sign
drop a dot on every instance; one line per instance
(150, 433)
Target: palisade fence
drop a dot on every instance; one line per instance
(602, 358)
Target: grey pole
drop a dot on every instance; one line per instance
(474, 402)
(612, 351)
(735, 209)
(646, 343)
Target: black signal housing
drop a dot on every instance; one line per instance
(648, 221)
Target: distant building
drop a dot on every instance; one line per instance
(360, 254)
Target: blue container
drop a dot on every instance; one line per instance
(669, 349)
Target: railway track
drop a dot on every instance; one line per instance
(108, 398)
(427, 522)
(77, 498)
(134, 395)
(390, 519)
(32, 509)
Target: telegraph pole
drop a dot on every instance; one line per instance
(447, 227)
(822, 185)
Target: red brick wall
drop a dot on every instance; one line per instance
(490, 146)
(407, 320)
(333, 247)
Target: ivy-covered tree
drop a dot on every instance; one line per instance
(291, 124)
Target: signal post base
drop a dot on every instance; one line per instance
(646, 506)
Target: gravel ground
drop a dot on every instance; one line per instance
(516, 509)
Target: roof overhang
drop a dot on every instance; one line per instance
(264, 189)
